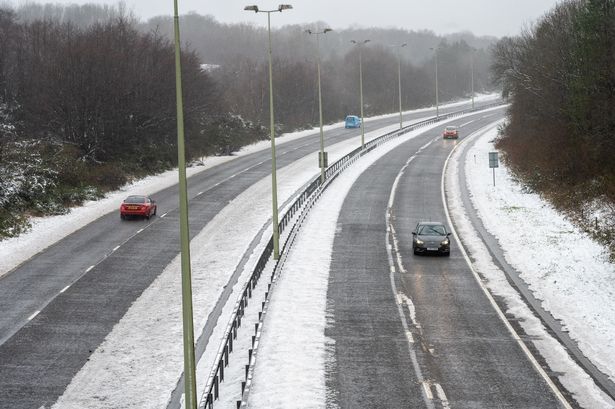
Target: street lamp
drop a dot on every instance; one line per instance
(322, 160)
(274, 191)
(473, 51)
(437, 102)
(187, 315)
(399, 47)
(360, 44)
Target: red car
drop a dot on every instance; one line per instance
(450, 132)
(143, 206)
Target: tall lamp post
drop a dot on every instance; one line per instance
(399, 47)
(437, 92)
(360, 44)
(322, 162)
(472, 52)
(274, 183)
(187, 315)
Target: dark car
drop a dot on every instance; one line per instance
(450, 132)
(142, 206)
(431, 237)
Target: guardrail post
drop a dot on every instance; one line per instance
(216, 392)
(221, 368)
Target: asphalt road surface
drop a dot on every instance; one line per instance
(417, 331)
(57, 307)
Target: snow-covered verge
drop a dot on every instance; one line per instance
(45, 231)
(563, 267)
(293, 342)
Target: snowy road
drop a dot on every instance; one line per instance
(472, 340)
(433, 341)
(59, 306)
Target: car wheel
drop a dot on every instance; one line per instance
(147, 216)
(447, 254)
(122, 217)
(414, 251)
(155, 210)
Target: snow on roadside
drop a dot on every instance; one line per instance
(561, 265)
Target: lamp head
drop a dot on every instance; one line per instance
(251, 8)
(284, 7)
(326, 30)
(404, 44)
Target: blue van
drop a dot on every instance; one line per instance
(352, 121)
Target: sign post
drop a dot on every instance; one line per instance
(493, 163)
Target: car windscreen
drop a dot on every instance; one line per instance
(432, 230)
(135, 199)
(450, 128)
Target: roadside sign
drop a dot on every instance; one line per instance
(493, 163)
(493, 160)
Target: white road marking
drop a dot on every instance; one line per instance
(427, 389)
(87, 270)
(482, 285)
(164, 215)
(199, 194)
(442, 396)
(33, 315)
(65, 288)
(139, 231)
(115, 248)
(467, 123)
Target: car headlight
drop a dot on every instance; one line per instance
(445, 242)
(419, 241)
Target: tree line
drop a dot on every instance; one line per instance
(87, 97)
(240, 53)
(560, 138)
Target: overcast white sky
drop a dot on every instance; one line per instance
(482, 17)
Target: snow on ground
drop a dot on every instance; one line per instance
(300, 309)
(48, 230)
(562, 266)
